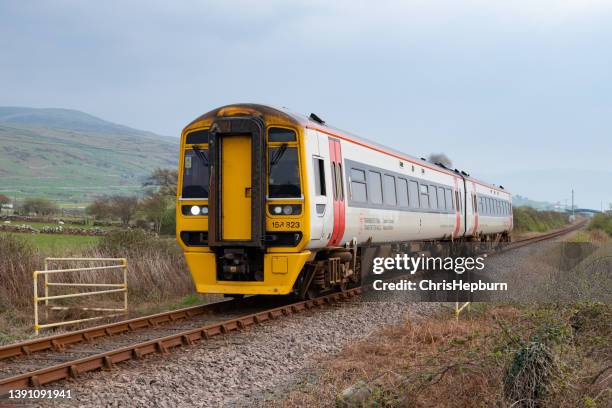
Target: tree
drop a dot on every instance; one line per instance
(123, 207)
(157, 205)
(440, 158)
(163, 181)
(39, 206)
(100, 208)
(154, 206)
(4, 200)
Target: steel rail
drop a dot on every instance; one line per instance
(107, 360)
(58, 342)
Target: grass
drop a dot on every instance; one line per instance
(59, 244)
(158, 277)
(500, 355)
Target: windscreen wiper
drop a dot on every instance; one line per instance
(278, 155)
(200, 154)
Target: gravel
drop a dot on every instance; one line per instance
(240, 368)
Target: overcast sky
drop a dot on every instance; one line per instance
(500, 87)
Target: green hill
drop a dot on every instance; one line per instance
(70, 156)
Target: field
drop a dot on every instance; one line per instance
(59, 244)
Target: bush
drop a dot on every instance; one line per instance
(602, 222)
(18, 259)
(527, 219)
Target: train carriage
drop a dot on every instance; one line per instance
(270, 202)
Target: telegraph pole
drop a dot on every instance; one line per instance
(573, 202)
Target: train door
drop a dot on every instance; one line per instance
(236, 187)
(321, 208)
(469, 208)
(459, 230)
(336, 168)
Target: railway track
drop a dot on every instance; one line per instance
(68, 355)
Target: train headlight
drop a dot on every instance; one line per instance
(191, 210)
(285, 209)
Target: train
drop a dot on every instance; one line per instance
(270, 202)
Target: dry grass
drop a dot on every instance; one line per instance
(500, 356)
(157, 275)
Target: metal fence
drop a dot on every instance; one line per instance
(118, 264)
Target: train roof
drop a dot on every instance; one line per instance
(314, 122)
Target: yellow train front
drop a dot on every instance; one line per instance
(241, 215)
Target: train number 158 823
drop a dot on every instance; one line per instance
(286, 224)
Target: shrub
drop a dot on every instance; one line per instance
(527, 219)
(602, 222)
(18, 259)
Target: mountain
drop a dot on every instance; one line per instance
(71, 156)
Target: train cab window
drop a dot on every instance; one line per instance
(375, 187)
(389, 193)
(441, 204)
(196, 174)
(319, 173)
(448, 195)
(197, 137)
(402, 192)
(413, 194)
(358, 186)
(281, 135)
(283, 172)
(424, 196)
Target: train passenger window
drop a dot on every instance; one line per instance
(480, 208)
(433, 199)
(358, 186)
(375, 187)
(281, 135)
(196, 176)
(413, 194)
(448, 195)
(402, 192)
(441, 204)
(389, 193)
(319, 173)
(424, 196)
(283, 172)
